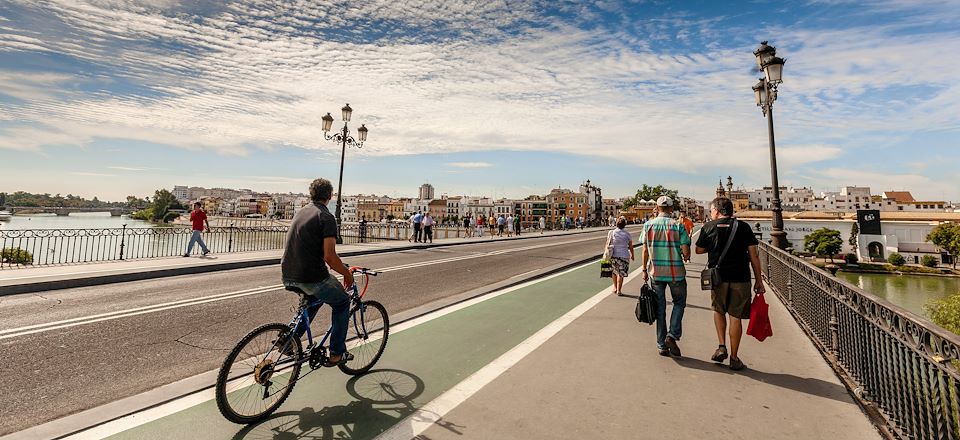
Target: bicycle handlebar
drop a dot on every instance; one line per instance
(364, 270)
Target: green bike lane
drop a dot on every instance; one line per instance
(423, 360)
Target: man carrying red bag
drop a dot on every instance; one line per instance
(732, 296)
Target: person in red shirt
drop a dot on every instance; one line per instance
(687, 223)
(198, 218)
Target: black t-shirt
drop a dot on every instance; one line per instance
(736, 264)
(303, 257)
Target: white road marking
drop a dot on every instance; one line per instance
(140, 418)
(425, 417)
(90, 319)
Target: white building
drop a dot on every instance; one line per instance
(791, 199)
(426, 192)
(474, 206)
(453, 207)
(594, 201)
(504, 207)
(417, 205)
(181, 193)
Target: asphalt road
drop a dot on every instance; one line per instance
(70, 350)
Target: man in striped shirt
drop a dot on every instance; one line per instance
(666, 245)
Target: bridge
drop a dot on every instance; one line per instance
(490, 338)
(64, 211)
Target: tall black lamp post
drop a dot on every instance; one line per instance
(343, 137)
(766, 93)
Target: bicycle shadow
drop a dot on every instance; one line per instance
(383, 398)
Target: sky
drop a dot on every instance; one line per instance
(111, 98)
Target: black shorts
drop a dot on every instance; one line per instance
(733, 299)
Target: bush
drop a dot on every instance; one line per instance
(896, 259)
(945, 312)
(851, 258)
(15, 256)
(929, 261)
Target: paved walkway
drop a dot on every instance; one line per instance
(559, 358)
(74, 275)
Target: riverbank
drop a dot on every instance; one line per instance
(889, 269)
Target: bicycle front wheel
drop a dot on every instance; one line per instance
(258, 374)
(367, 334)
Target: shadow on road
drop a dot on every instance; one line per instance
(815, 387)
(383, 398)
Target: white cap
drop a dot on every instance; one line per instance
(664, 201)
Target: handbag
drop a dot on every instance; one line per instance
(759, 326)
(710, 276)
(646, 305)
(606, 269)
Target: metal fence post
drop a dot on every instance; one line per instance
(790, 288)
(123, 236)
(230, 238)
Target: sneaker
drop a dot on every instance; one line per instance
(736, 364)
(206, 252)
(719, 355)
(664, 351)
(186, 255)
(672, 345)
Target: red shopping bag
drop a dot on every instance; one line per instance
(759, 326)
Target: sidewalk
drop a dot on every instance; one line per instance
(35, 279)
(560, 358)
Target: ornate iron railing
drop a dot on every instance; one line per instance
(902, 367)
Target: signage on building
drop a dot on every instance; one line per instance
(869, 221)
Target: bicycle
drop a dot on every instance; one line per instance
(262, 369)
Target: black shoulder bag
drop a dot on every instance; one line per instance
(710, 277)
(646, 310)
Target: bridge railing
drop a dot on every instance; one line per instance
(40, 247)
(902, 367)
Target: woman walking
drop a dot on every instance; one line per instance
(621, 247)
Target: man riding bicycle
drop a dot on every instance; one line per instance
(311, 242)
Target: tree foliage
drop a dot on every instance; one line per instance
(159, 209)
(647, 192)
(854, 232)
(929, 261)
(22, 198)
(823, 242)
(945, 312)
(947, 237)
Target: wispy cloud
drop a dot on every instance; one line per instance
(469, 164)
(119, 168)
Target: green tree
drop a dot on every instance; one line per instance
(896, 259)
(823, 242)
(854, 233)
(947, 237)
(945, 312)
(647, 192)
(929, 261)
(163, 202)
(3, 199)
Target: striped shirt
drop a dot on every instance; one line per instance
(663, 237)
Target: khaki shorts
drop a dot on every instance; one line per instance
(732, 299)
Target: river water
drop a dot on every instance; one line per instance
(80, 220)
(908, 291)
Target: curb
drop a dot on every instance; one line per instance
(79, 422)
(145, 274)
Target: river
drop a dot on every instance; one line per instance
(79, 220)
(908, 291)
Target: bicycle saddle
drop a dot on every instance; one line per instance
(295, 289)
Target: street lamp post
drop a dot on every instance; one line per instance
(343, 137)
(765, 93)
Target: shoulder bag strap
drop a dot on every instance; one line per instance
(729, 241)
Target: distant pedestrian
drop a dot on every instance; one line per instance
(543, 225)
(732, 297)
(621, 248)
(413, 229)
(611, 221)
(501, 224)
(481, 223)
(428, 227)
(686, 222)
(363, 229)
(467, 229)
(517, 225)
(418, 227)
(198, 218)
(666, 246)
(510, 225)
(492, 224)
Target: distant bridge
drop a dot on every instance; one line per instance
(63, 211)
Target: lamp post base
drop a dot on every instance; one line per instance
(779, 239)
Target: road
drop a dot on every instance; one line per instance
(70, 350)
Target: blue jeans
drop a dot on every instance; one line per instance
(195, 238)
(678, 293)
(329, 291)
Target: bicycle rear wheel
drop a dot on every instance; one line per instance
(367, 334)
(258, 374)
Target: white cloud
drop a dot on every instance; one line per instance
(470, 164)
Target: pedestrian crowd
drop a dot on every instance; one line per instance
(667, 242)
